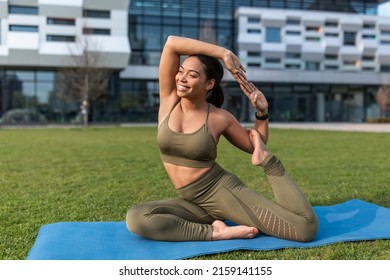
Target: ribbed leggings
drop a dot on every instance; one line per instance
(220, 195)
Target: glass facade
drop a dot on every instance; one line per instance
(32, 96)
(151, 21)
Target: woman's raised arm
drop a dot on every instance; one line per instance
(170, 61)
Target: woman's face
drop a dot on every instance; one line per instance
(191, 80)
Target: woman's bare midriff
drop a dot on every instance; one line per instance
(183, 175)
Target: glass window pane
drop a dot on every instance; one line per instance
(171, 7)
(225, 9)
(207, 8)
(189, 21)
(152, 37)
(96, 14)
(20, 75)
(190, 8)
(61, 21)
(23, 28)
(44, 90)
(45, 76)
(272, 35)
(60, 38)
(152, 7)
(349, 38)
(24, 10)
(277, 4)
(170, 30)
(190, 32)
(224, 38)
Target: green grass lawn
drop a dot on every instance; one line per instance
(96, 174)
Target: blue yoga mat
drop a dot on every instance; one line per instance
(353, 220)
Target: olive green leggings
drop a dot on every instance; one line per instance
(220, 195)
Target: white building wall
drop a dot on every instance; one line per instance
(312, 36)
(34, 49)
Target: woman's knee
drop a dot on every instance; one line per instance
(311, 228)
(135, 219)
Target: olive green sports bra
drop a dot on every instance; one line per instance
(196, 149)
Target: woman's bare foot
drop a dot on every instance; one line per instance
(221, 231)
(260, 151)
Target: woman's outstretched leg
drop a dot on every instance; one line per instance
(287, 193)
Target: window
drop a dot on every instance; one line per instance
(272, 60)
(96, 31)
(254, 54)
(385, 68)
(254, 64)
(23, 28)
(331, 67)
(369, 26)
(293, 33)
(96, 14)
(385, 32)
(368, 58)
(349, 63)
(369, 36)
(293, 21)
(23, 10)
(272, 35)
(60, 38)
(60, 21)
(313, 28)
(331, 56)
(385, 42)
(349, 38)
(293, 55)
(253, 20)
(293, 66)
(331, 23)
(312, 66)
(312, 39)
(254, 31)
(331, 34)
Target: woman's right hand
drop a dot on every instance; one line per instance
(255, 96)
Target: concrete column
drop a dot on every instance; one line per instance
(320, 107)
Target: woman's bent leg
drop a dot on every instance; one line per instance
(294, 220)
(170, 220)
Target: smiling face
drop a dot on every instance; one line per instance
(191, 79)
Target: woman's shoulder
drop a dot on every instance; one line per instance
(220, 119)
(221, 113)
(166, 106)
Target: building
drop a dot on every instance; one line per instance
(39, 37)
(315, 60)
(316, 66)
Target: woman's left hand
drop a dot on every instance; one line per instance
(255, 96)
(234, 66)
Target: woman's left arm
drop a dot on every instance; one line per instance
(235, 133)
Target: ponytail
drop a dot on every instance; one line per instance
(215, 96)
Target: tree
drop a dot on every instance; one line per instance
(383, 98)
(85, 80)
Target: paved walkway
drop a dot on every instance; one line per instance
(362, 127)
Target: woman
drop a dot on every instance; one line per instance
(190, 123)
